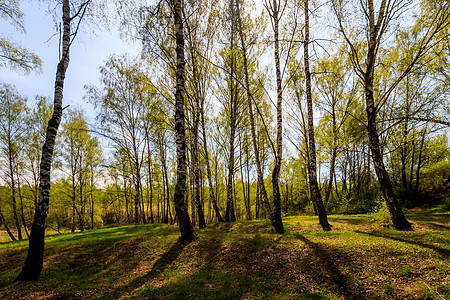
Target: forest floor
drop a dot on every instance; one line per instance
(359, 259)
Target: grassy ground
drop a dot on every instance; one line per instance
(359, 259)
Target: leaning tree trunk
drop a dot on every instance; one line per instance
(35, 257)
(316, 197)
(3, 221)
(186, 229)
(333, 157)
(398, 218)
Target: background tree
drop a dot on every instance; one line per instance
(378, 20)
(11, 53)
(12, 136)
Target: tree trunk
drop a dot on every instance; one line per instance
(186, 229)
(196, 167)
(261, 188)
(82, 204)
(332, 168)
(276, 215)
(212, 196)
(419, 162)
(92, 198)
(73, 201)
(136, 194)
(244, 189)
(3, 221)
(13, 188)
(398, 218)
(229, 213)
(333, 154)
(249, 212)
(316, 197)
(35, 257)
(150, 177)
(21, 207)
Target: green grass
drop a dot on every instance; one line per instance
(359, 259)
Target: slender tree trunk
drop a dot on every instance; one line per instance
(13, 189)
(419, 162)
(404, 151)
(244, 190)
(257, 202)
(316, 197)
(82, 204)
(73, 201)
(150, 178)
(21, 206)
(3, 221)
(261, 188)
(125, 193)
(330, 181)
(229, 213)
(249, 212)
(144, 217)
(398, 218)
(136, 194)
(195, 154)
(186, 229)
(167, 204)
(212, 196)
(92, 198)
(276, 215)
(333, 155)
(191, 190)
(35, 256)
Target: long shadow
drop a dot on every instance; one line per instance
(440, 226)
(160, 265)
(443, 252)
(337, 278)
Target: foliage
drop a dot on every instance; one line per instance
(12, 54)
(436, 177)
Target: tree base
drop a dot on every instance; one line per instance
(404, 226)
(184, 240)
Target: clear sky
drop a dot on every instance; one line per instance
(87, 53)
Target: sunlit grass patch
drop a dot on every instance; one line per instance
(358, 259)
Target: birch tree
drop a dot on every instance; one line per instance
(35, 256)
(368, 41)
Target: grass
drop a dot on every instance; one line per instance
(359, 259)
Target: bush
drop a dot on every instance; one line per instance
(445, 205)
(381, 213)
(435, 177)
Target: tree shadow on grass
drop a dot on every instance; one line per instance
(336, 279)
(443, 252)
(158, 267)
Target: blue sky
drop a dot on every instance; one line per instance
(88, 52)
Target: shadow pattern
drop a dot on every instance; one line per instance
(336, 278)
(441, 251)
(159, 266)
